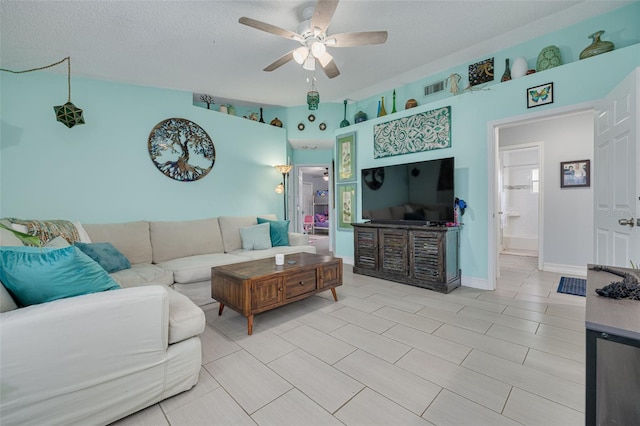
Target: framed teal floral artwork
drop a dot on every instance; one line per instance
(346, 206)
(346, 155)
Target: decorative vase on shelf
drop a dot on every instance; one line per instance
(360, 116)
(507, 72)
(549, 57)
(597, 46)
(261, 119)
(394, 102)
(382, 110)
(345, 122)
(411, 103)
(519, 68)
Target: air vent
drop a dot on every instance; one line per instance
(434, 88)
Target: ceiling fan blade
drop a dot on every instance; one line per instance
(272, 29)
(322, 15)
(331, 69)
(280, 61)
(357, 39)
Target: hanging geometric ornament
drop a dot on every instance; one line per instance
(69, 114)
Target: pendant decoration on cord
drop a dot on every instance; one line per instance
(68, 114)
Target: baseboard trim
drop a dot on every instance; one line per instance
(347, 260)
(565, 269)
(479, 283)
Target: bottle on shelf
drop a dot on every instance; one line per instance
(382, 110)
(507, 71)
(394, 102)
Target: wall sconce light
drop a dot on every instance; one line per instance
(68, 114)
(282, 188)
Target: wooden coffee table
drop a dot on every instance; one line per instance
(260, 285)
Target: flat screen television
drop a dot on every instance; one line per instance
(421, 191)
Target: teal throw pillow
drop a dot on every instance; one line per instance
(106, 255)
(37, 275)
(255, 237)
(279, 231)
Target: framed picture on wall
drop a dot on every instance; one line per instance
(346, 201)
(346, 157)
(540, 95)
(575, 174)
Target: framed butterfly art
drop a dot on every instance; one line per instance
(540, 95)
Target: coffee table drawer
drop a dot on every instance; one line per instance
(265, 293)
(331, 275)
(300, 283)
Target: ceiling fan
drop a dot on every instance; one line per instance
(312, 35)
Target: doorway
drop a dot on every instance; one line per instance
(561, 134)
(520, 195)
(313, 207)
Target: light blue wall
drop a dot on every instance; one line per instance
(101, 171)
(574, 83)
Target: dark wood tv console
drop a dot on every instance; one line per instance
(414, 254)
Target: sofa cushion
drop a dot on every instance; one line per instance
(58, 242)
(278, 231)
(256, 237)
(8, 238)
(106, 255)
(230, 229)
(143, 274)
(178, 239)
(6, 301)
(198, 268)
(247, 255)
(37, 275)
(185, 318)
(130, 238)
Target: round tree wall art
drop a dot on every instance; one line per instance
(181, 149)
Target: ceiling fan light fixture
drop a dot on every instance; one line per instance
(309, 63)
(301, 54)
(318, 49)
(331, 42)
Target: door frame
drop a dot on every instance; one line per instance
(540, 150)
(298, 171)
(493, 229)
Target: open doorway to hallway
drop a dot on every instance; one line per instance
(314, 205)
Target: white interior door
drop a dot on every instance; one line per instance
(615, 175)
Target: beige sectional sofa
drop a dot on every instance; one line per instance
(95, 358)
(182, 253)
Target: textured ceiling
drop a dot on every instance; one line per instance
(199, 46)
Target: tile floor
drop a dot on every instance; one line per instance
(392, 354)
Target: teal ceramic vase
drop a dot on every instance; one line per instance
(360, 116)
